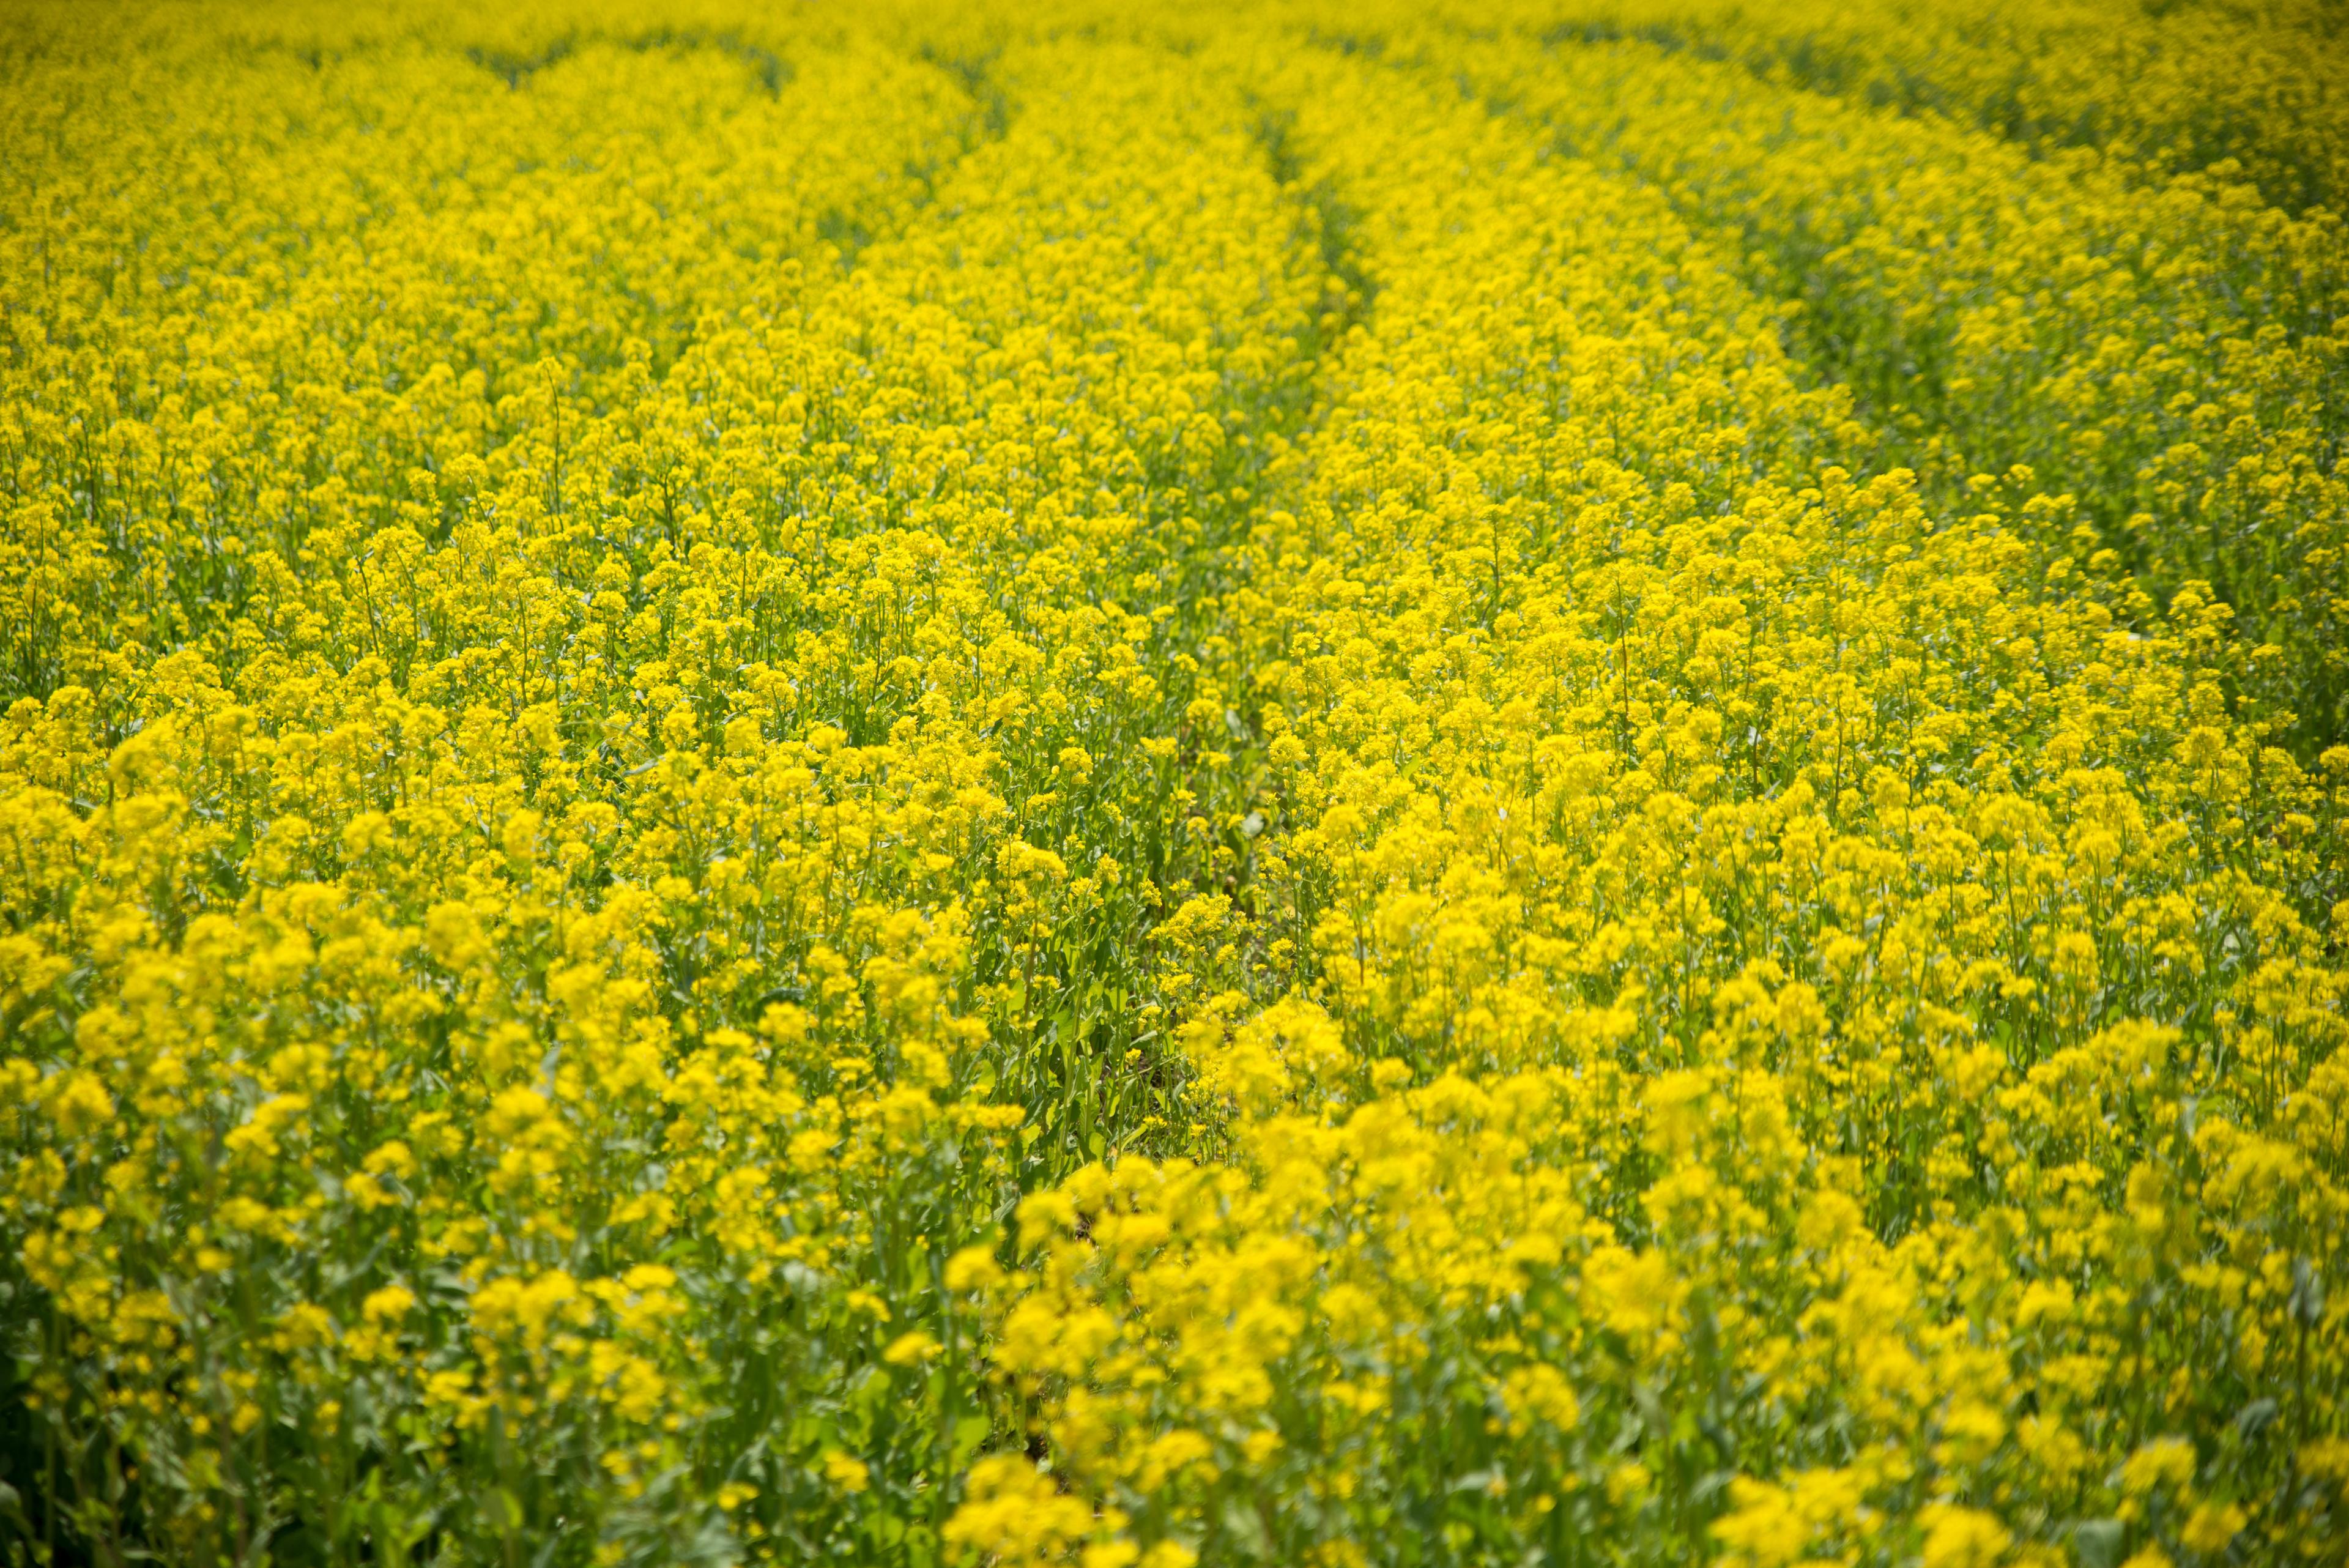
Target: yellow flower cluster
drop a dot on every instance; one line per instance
(2172, 88)
(2169, 357)
(1819, 1045)
(1137, 786)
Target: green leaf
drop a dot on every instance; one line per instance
(2099, 1541)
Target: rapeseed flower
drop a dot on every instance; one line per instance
(1165, 785)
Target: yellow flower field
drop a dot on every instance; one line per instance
(1402, 783)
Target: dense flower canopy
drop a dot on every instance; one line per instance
(1396, 783)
